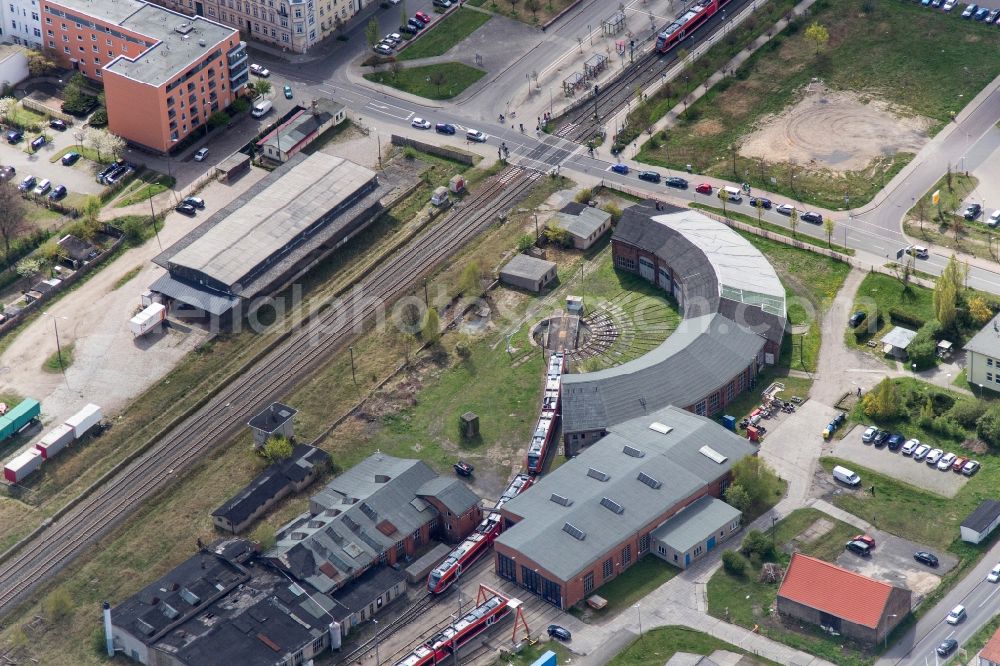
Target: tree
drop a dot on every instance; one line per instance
(828, 226)
(218, 119)
(759, 205)
(438, 79)
(927, 413)
(262, 87)
(525, 242)
(723, 197)
(818, 35)
(733, 563)
(468, 281)
(80, 133)
(404, 15)
(557, 236)
(882, 402)
(532, 6)
(431, 330)
(94, 138)
(947, 177)
(737, 497)
(371, 32)
(12, 221)
(946, 292)
(58, 605)
(92, 207)
(988, 426)
(755, 477)
(921, 213)
(39, 64)
(793, 221)
(395, 67)
(759, 544)
(113, 145)
(28, 268)
(7, 105)
(276, 448)
(979, 310)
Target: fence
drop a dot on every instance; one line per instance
(440, 151)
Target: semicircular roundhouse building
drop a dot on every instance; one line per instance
(734, 317)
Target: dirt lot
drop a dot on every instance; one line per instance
(840, 131)
(897, 466)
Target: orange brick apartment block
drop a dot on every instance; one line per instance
(164, 73)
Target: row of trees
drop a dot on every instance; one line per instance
(103, 142)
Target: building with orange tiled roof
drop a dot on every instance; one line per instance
(990, 654)
(863, 609)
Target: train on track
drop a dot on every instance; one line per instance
(548, 419)
(685, 24)
(440, 647)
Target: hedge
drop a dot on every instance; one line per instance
(900, 317)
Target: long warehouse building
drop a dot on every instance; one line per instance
(273, 233)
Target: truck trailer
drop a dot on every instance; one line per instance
(55, 441)
(18, 417)
(19, 467)
(145, 321)
(84, 420)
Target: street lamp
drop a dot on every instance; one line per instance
(55, 325)
(638, 610)
(980, 391)
(378, 661)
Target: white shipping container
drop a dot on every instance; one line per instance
(144, 322)
(19, 467)
(84, 420)
(55, 441)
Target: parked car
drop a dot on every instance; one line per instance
(814, 218)
(382, 49)
(846, 476)
(956, 615)
(859, 548)
(865, 538)
(869, 434)
(994, 14)
(463, 468)
(704, 188)
(477, 135)
(649, 176)
(7, 173)
(924, 557)
(933, 456)
(760, 201)
(562, 633)
(982, 13)
(408, 29)
(946, 647)
(994, 574)
(620, 169)
(882, 438)
(257, 70)
(118, 173)
(70, 158)
(895, 441)
(676, 181)
(959, 464)
(921, 452)
(949, 5)
(909, 447)
(57, 124)
(415, 24)
(947, 460)
(197, 202)
(14, 136)
(443, 4)
(857, 318)
(969, 11)
(972, 211)
(393, 38)
(43, 187)
(421, 16)
(444, 128)
(58, 193)
(970, 468)
(27, 183)
(288, 92)
(918, 251)
(785, 209)
(37, 142)
(186, 209)
(106, 171)
(420, 123)
(201, 155)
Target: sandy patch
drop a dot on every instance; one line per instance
(835, 130)
(707, 128)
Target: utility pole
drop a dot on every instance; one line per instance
(351, 349)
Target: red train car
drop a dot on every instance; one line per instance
(553, 382)
(540, 439)
(442, 645)
(687, 23)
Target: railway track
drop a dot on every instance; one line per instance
(327, 330)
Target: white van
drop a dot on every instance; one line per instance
(845, 475)
(733, 193)
(261, 108)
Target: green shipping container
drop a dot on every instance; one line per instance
(17, 417)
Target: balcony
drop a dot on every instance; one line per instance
(237, 56)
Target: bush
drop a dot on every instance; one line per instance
(241, 105)
(584, 195)
(967, 412)
(525, 242)
(614, 211)
(922, 351)
(901, 317)
(988, 426)
(99, 119)
(948, 427)
(758, 544)
(135, 230)
(733, 563)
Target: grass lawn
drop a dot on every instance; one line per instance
(87, 152)
(629, 587)
(530, 653)
(775, 228)
(442, 37)
(880, 293)
(544, 11)
(22, 117)
(944, 225)
(154, 183)
(658, 645)
(745, 601)
(59, 360)
(126, 277)
(441, 81)
(926, 63)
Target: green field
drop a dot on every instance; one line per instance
(441, 81)
(778, 229)
(658, 645)
(442, 37)
(745, 601)
(924, 62)
(629, 587)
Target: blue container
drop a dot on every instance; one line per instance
(729, 422)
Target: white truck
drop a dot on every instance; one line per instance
(261, 108)
(145, 321)
(84, 420)
(55, 441)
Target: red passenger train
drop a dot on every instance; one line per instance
(545, 428)
(687, 23)
(477, 543)
(443, 644)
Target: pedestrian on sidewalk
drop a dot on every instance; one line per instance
(859, 391)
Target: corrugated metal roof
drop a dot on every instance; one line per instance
(582, 224)
(526, 267)
(671, 459)
(208, 301)
(899, 337)
(698, 521)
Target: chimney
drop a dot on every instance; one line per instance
(107, 629)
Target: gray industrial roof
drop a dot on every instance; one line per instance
(302, 126)
(112, 11)
(899, 337)
(702, 355)
(360, 514)
(672, 465)
(987, 340)
(209, 301)
(276, 217)
(582, 224)
(698, 521)
(526, 267)
(454, 494)
(272, 417)
(983, 516)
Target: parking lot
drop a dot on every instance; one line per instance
(892, 463)
(79, 178)
(892, 561)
